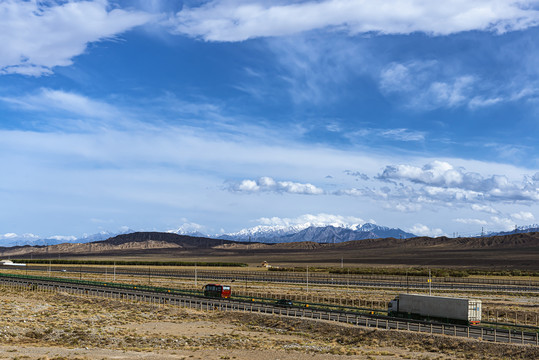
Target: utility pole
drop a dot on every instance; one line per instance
(307, 278)
(407, 285)
(430, 284)
(196, 275)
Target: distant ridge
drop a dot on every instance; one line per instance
(517, 230)
(514, 251)
(320, 234)
(184, 241)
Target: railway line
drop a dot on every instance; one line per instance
(412, 282)
(192, 300)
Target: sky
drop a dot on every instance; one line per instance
(226, 114)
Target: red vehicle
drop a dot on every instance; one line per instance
(216, 290)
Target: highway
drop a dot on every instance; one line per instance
(163, 296)
(412, 282)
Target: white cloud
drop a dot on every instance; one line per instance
(399, 134)
(424, 85)
(370, 192)
(63, 237)
(58, 100)
(478, 102)
(442, 180)
(436, 173)
(430, 84)
(471, 221)
(267, 184)
(36, 36)
(423, 230)
(11, 236)
(506, 223)
(238, 20)
(313, 220)
(405, 208)
(174, 170)
(484, 208)
(315, 69)
(523, 216)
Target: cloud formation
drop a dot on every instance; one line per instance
(399, 134)
(423, 85)
(238, 20)
(441, 180)
(58, 100)
(424, 230)
(36, 36)
(267, 184)
(307, 220)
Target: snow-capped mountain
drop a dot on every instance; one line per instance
(517, 230)
(189, 229)
(103, 235)
(321, 234)
(263, 232)
(34, 240)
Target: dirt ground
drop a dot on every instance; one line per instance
(40, 325)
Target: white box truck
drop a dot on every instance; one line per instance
(426, 307)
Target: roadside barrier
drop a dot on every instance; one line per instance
(142, 294)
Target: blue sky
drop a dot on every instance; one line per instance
(227, 114)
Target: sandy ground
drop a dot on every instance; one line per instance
(38, 325)
(57, 353)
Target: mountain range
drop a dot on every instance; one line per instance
(263, 233)
(266, 234)
(320, 234)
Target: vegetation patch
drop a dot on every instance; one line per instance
(410, 271)
(127, 262)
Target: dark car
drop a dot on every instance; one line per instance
(284, 302)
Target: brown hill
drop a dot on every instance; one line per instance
(183, 241)
(519, 251)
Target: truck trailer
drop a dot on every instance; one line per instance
(426, 307)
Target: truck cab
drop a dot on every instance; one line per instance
(393, 306)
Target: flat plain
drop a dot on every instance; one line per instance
(43, 325)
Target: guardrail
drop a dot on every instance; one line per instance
(135, 293)
(296, 276)
(493, 315)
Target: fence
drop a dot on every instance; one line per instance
(494, 315)
(486, 334)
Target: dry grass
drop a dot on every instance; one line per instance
(69, 326)
(525, 306)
